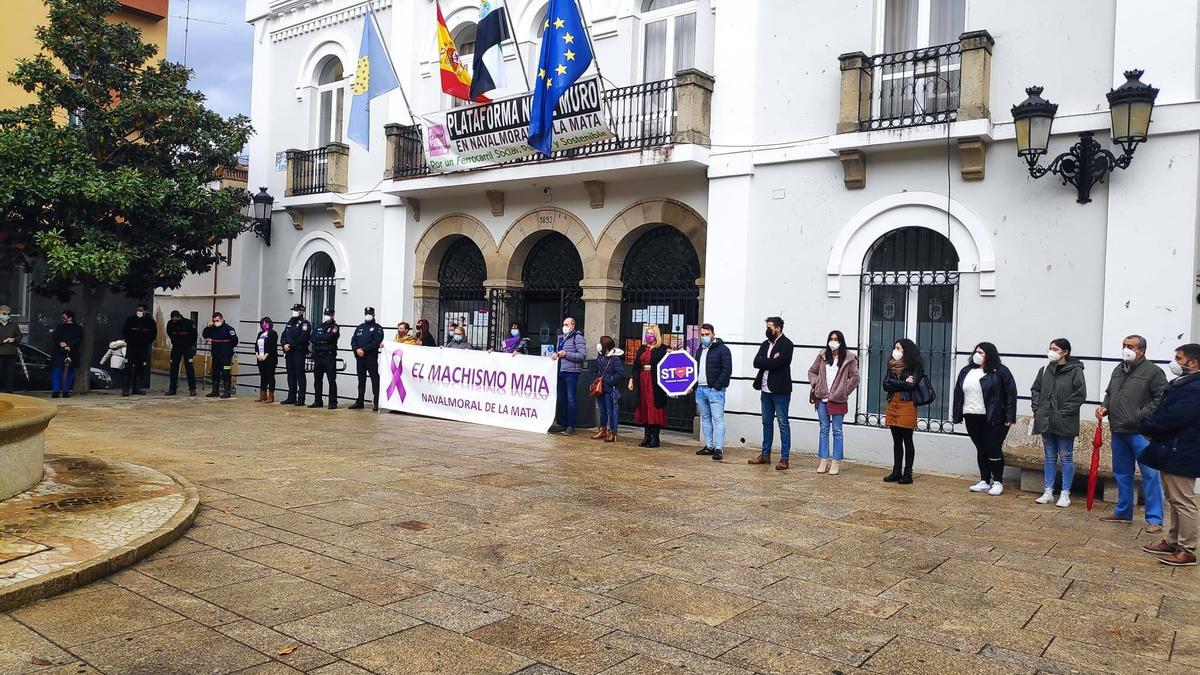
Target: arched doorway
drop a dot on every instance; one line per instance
(551, 276)
(910, 289)
(318, 285)
(461, 298)
(658, 281)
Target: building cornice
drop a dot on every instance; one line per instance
(280, 9)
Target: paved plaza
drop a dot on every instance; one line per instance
(341, 542)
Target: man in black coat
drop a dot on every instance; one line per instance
(295, 338)
(324, 347)
(714, 368)
(139, 333)
(182, 333)
(223, 340)
(365, 343)
(774, 380)
(65, 355)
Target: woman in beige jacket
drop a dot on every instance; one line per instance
(833, 376)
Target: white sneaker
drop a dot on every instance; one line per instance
(1046, 498)
(1064, 500)
(997, 489)
(981, 486)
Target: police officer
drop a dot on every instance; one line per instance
(295, 347)
(183, 349)
(223, 340)
(324, 346)
(365, 343)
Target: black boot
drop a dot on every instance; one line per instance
(653, 436)
(645, 437)
(357, 405)
(894, 476)
(212, 394)
(906, 477)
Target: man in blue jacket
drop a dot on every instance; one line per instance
(570, 351)
(714, 367)
(365, 343)
(1174, 433)
(223, 341)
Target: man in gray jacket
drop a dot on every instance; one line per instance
(1134, 392)
(570, 352)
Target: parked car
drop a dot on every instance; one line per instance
(33, 372)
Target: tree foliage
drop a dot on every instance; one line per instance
(108, 175)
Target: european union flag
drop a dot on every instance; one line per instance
(373, 77)
(566, 54)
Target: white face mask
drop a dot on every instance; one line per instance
(217, 322)
(1053, 355)
(1175, 368)
(897, 354)
(977, 359)
(140, 314)
(295, 314)
(1128, 354)
(835, 345)
(369, 317)
(567, 329)
(599, 349)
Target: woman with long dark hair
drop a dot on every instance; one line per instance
(424, 337)
(833, 376)
(904, 370)
(985, 396)
(609, 367)
(266, 352)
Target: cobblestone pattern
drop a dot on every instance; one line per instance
(343, 542)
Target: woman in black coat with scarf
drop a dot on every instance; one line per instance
(266, 351)
(651, 410)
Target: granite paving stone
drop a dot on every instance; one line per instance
(276, 599)
(182, 647)
(429, 649)
(688, 601)
(448, 611)
(550, 645)
(347, 626)
(77, 618)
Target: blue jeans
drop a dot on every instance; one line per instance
(827, 421)
(1127, 451)
(1058, 447)
(711, 405)
(56, 379)
(608, 409)
(775, 407)
(566, 398)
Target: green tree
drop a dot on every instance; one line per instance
(107, 178)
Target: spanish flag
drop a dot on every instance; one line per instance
(456, 81)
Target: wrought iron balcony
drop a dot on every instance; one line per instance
(311, 172)
(641, 116)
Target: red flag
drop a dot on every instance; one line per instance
(456, 81)
(1094, 471)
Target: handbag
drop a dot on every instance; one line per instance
(596, 388)
(923, 394)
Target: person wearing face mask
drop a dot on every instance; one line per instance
(182, 333)
(904, 370)
(267, 354)
(10, 339)
(1174, 449)
(297, 334)
(404, 334)
(714, 368)
(458, 338)
(365, 343)
(1057, 393)
(517, 341)
(651, 409)
(774, 380)
(985, 397)
(324, 347)
(834, 376)
(223, 340)
(139, 332)
(609, 368)
(570, 353)
(64, 359)
(424, 337)
(1134, 391)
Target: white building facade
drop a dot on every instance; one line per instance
(846, 166)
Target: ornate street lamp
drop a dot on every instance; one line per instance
(262, 214)
(1086, 163)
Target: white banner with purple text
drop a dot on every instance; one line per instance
(500, 390)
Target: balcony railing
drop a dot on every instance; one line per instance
(316, 171)
(641, 116)
(931, 85)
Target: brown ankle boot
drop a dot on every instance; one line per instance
(262, 396)
(271, 397)
(601, 432)
(610, 437)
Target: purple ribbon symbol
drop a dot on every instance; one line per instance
(397, 385)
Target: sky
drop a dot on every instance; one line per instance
(219, 50)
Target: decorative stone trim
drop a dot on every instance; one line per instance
(972, 157)
(854, 168)
(325, 21)
(496, 201)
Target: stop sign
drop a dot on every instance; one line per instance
(677, 373)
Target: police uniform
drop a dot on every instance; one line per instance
(324, 345)
(295, 339)
(367, 337)
(223, 340)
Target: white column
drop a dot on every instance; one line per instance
(395, 297)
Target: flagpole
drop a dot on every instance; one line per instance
(595, 58)
(391, 63)
(517, 44)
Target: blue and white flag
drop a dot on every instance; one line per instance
(487, 70)
(373, 77)
(566, 54)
